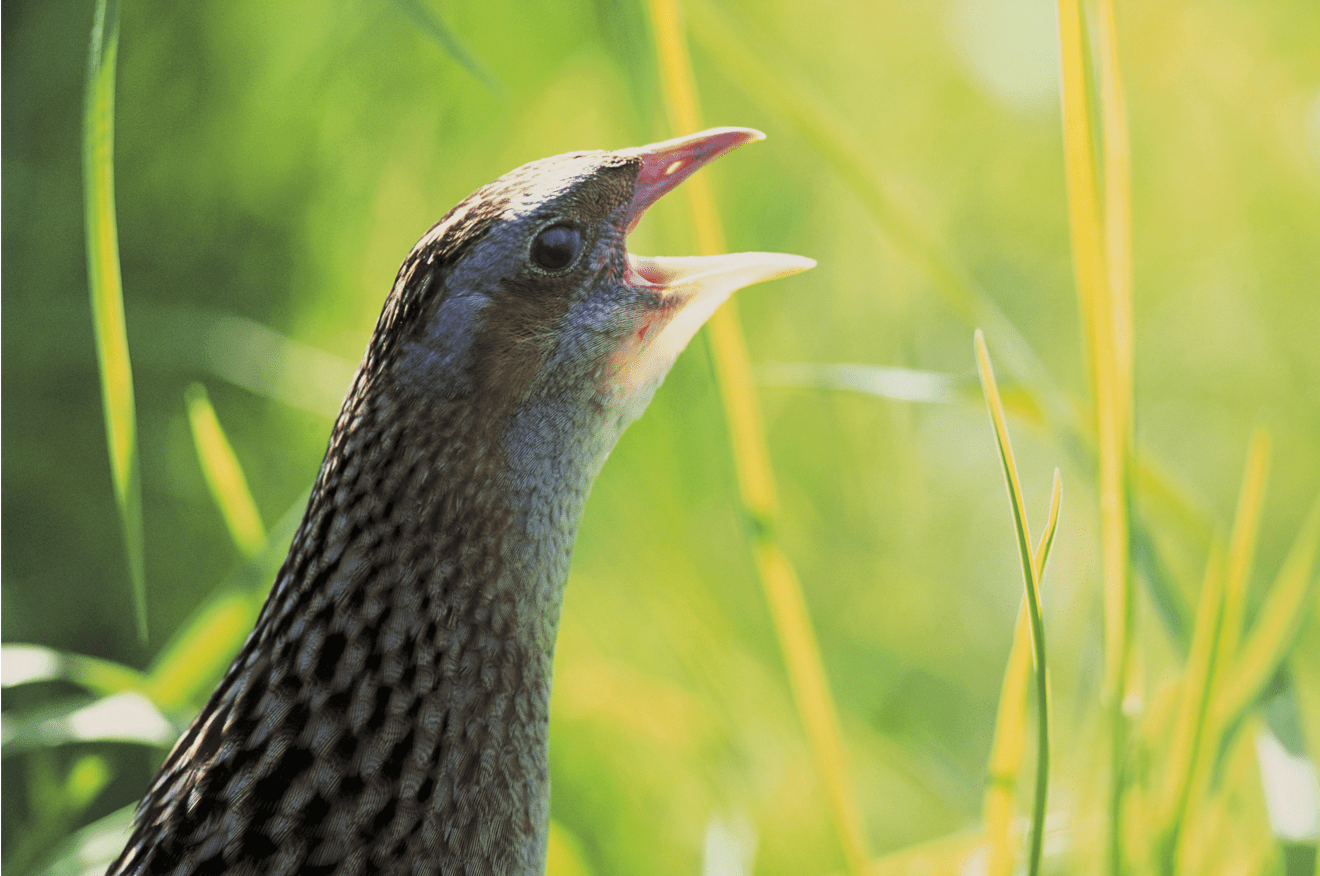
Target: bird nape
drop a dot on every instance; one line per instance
(389, 713)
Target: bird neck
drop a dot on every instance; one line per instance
(423, 592)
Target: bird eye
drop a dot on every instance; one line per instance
(556, 247)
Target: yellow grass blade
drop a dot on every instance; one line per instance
(783, 592)
(1007, 751)
(201, 651)
(1280, 620)
(1242, 543)
(1188, 733)
(1097, 312)
(1032, 567)
(223, 474)
(1208, 735)
(107, 293)
(1118, 190)
(1102, 263)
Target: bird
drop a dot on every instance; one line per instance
(389, 712)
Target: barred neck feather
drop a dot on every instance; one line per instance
(392, 703)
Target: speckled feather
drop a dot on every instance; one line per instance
(389, 712)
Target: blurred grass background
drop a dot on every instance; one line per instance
(274, 163)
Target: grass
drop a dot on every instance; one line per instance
(1011, 708)
(107, 293)
(1145, 752)
(224, 476)
(756, 483)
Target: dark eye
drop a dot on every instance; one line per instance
(556, 247)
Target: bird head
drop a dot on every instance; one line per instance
(525, 293)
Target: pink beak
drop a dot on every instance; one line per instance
(693, 287)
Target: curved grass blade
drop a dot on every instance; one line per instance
(783, 592)
(1010, 739)
(107, 294)
(1031, 569)
(25, 664)
(1242, 543)
(122, 717)
(1277, 626)
(1200, 735)
(223, 474)
(1188, 734)
(431, 24)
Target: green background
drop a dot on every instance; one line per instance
(275, 162)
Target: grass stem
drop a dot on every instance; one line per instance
(756, 484)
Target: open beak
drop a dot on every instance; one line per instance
(691, 287)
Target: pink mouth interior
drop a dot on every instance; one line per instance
(650, 272)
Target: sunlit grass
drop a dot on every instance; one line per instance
(1159, 719)
(224, 476)
(1101, 232)
(1188, 732)
(784, 94)
(107, 292)
(1278, 624)
(779, 580)
(1009, 728)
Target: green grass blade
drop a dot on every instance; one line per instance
(107, 293)
(431, 24)
(223, 474)
(1032, 566)
(1046, 542)
(1009, 746)
(1276, 628)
